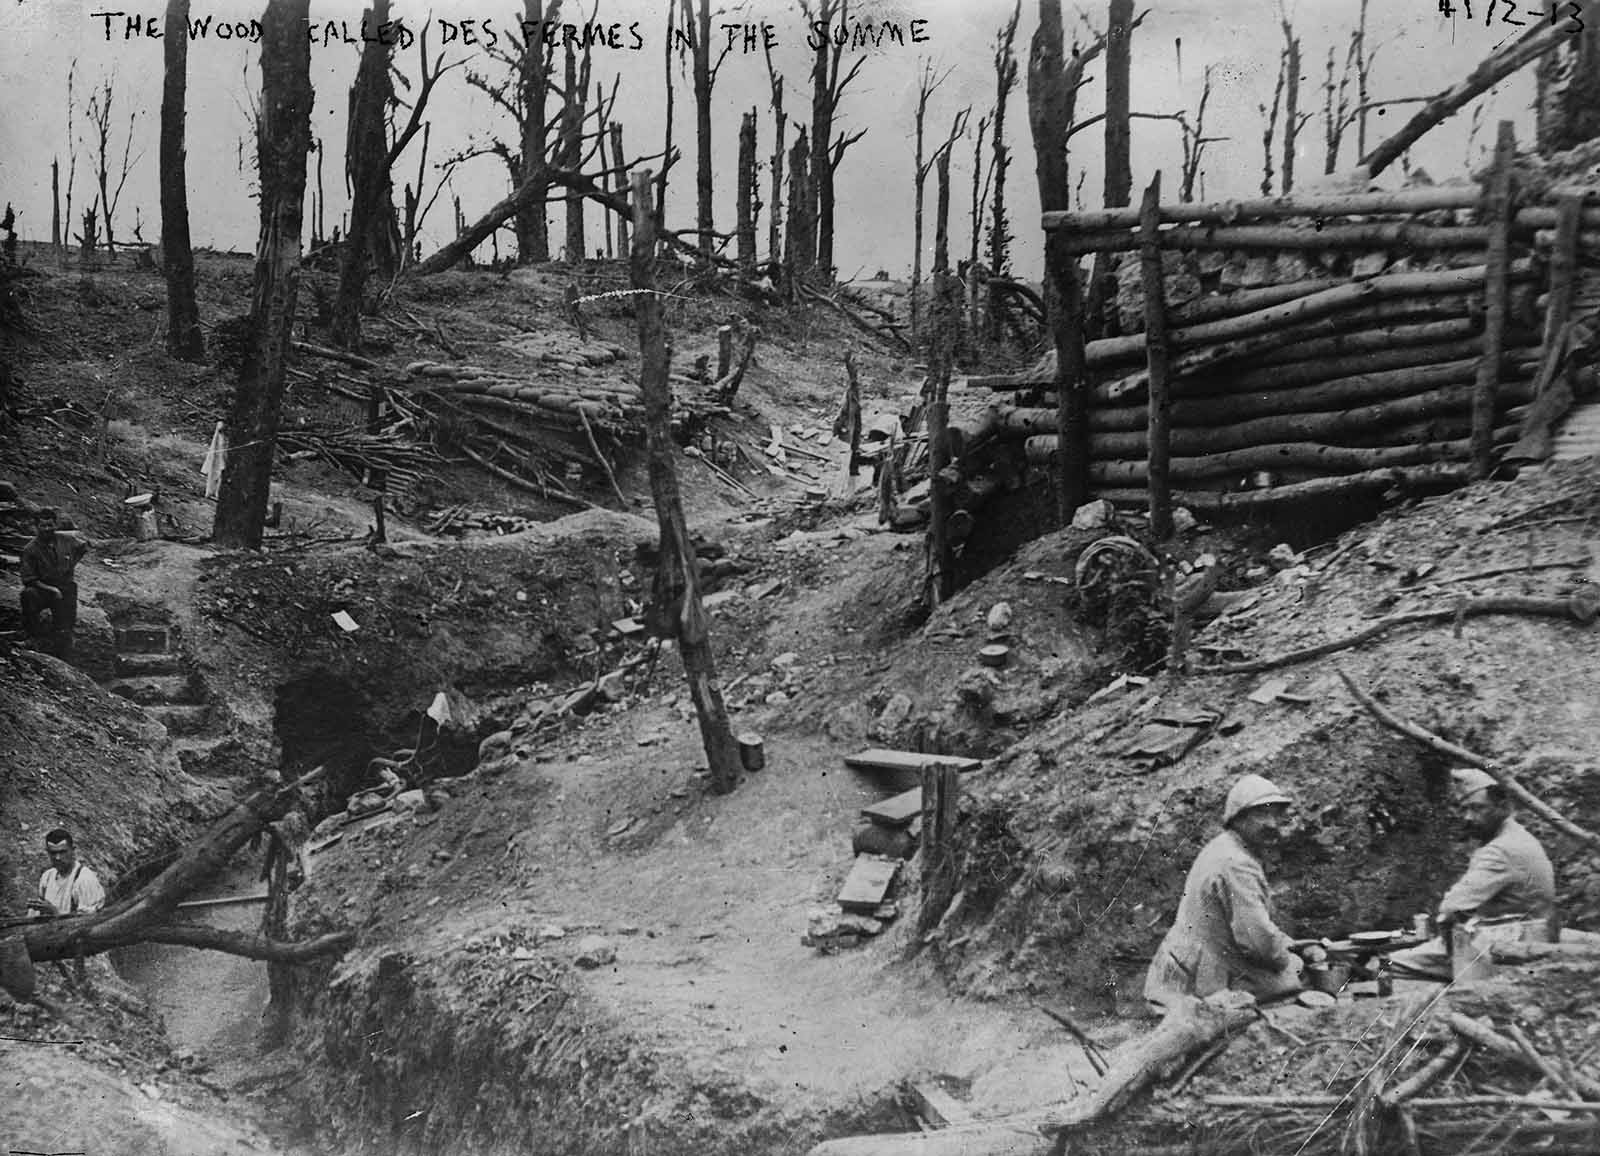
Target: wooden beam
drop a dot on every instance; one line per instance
(1313, 238)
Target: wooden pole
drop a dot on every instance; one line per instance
(1563, 265)
(678, 583)
(852, 409)
(1158, 358)
(1496, 294)
(941, 792)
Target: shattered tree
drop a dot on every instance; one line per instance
(677, 587)
(283, 138)
(184, 338)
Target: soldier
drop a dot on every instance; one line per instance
(1224, 935)
(48, 562)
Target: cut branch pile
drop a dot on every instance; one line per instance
(612, 406)
(390, 460)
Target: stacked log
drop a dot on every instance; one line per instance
(1314, 387)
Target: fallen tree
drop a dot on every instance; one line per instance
(1188, 1030)
(146, 915)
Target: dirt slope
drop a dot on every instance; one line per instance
(1082, 852)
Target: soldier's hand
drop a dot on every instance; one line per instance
(43, 907)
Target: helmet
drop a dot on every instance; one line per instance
(1466, 782)
(1250, 791)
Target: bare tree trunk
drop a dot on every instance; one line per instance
(1291, 104)
(699, 19)
(622, 185)
(747, 193)
(283, 137)
(1119, 137)
(1050, 101)
(925, 86)
(1118, 189)
(184, 339)
(1267, 133)
(604, 140)
(827, 87)
(677, 579)
(533, 225)
(571, 148)
(779, 123)
(1363, 74)
(55, 203)
(800, 241)
(1005, 67)
(367, 170)
(941, 560)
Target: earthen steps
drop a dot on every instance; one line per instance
(140, 664)
(180, 719)
(143, 638)
(157, 689)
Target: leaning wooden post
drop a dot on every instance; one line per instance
(677, 588)
(1158, 431)
(1495, 294)
(941, 792)
(1563, 269)
(852, 406)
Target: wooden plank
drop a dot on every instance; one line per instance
(867, 885)
(937, 1106)
(876, 759)
(898, 810)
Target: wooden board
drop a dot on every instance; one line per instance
(937, 1106)
(867, 885)
(883, 760)
(896, 811)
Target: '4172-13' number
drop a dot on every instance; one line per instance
(1508, 13)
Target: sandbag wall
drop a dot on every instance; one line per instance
(1332, 352)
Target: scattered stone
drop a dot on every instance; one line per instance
(777, 698)
(524, 953)
(1183, 521)
(413, 800)
(785, 660)
(876, 839)
(886, 727)
(595, 951)
(999, 619)
(1094, 515)
(552, 931)
(1282, 556)
(830, 929)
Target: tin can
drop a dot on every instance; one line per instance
(1419, 925)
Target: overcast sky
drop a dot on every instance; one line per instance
(1419, 52)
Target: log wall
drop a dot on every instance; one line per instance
(1407, 330)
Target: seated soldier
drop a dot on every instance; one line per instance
(1509, 874)
(48, 562)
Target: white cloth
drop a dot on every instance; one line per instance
(216, 458)
(75, 893)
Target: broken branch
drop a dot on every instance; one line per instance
(1460, 754)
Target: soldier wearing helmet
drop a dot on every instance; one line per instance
(1509, 873)
(1224, 935)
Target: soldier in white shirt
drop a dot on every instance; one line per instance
(67, 887)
